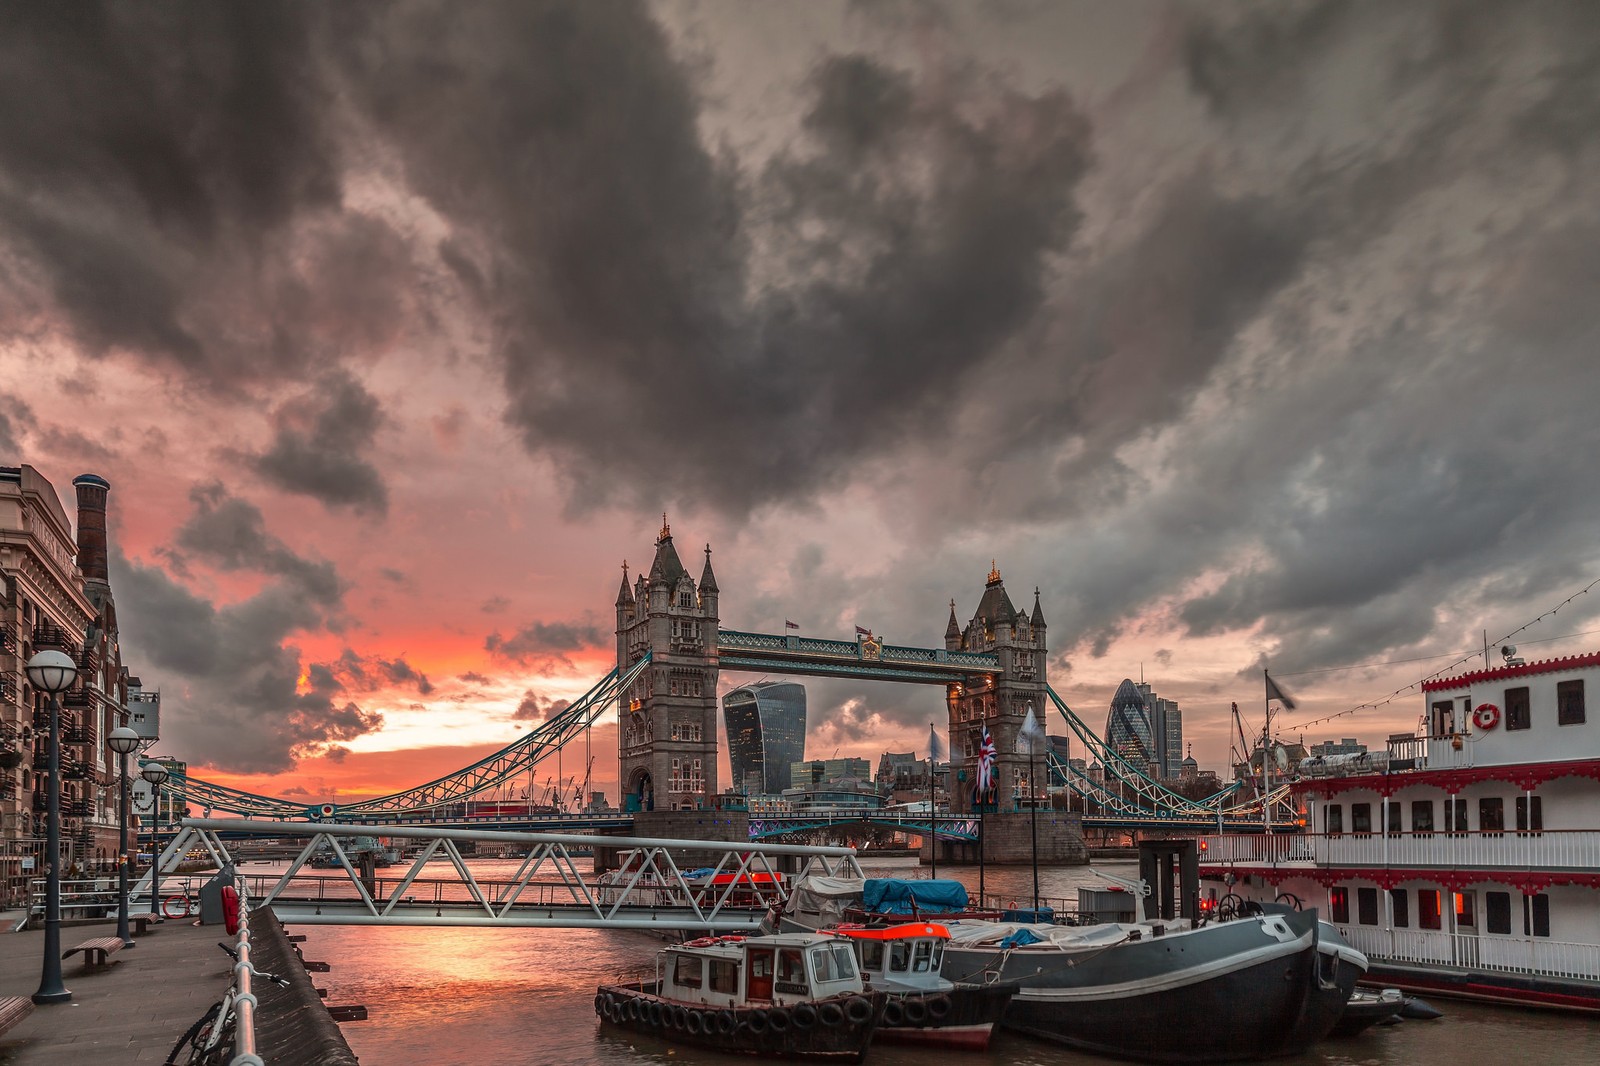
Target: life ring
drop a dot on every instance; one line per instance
(1486, 716)
(938, 1007)
(830, 1014)
(804, 1016)
(859, 1009)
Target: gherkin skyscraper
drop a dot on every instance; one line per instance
(1128, 730)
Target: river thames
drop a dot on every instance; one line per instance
(507, 996)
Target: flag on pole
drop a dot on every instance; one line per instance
(936, 748)
(1032, 732)
(1276, 693)
(986, 755)
(863, 632)
(790, 625)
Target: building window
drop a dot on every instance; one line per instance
(1497, 912)
(1361, 818)
(1422, 816)
(1518, 715)
(1335, 819)
(1428, 909)
(1530, 814)
(1536, 915)
(1367, 906)
(1569, 703)
(1492, 815)
(1393, 826)
(1339, 904)
(1398, 902)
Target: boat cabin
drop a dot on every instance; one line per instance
(766, 971)
(900, 958)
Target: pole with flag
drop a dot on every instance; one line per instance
(982, 786)
(790, 625)
(935, 753)
(1273, 693)
(1033, 732)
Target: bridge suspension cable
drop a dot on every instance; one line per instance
(510, 762)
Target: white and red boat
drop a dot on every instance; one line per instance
(923, 1007)
(1464, 860)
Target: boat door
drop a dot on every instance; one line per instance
(1466, 924)
(759, 973)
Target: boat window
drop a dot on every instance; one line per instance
(1569, 703)
(1466, 911)
(844, 962)
(1497, 912)
(1455, 815)
(1367, 906)
(688, 970)
(1392, 824)
(1339, 904)
(921, 955)
(1428, 909)
(1492, 814)
(791, 971)
(822, 965)
(1422, 816)
(938, 955)
(1525, 805)
(1399, 904)
(725, 976)
(871, 955)
(1536, 915)
(1335, 819)
(1361, 817)
(899, 956)
(1518, 715)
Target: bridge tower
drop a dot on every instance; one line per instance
(1000, 700)
(668, 718)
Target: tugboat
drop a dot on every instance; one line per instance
(783, 996)
(923, 1007)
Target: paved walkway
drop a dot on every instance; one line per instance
(130, 1012)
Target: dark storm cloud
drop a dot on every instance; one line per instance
(316, 450)
(232, 688)
(15, 418)
(354, 672)
(230, 533)
(617, 251)
(535, 708)
(546, 641)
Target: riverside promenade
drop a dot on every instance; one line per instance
(132, 1011)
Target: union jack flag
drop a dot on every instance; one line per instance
(986, 754)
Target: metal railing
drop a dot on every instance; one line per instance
(1536, 956)
(244, 1000)
(1478, 849)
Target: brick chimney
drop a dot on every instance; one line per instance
(92, 489)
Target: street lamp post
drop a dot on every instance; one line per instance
(156, 774)
(124, 742)
(52, 672)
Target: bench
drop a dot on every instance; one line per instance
(97, 952)
(12, 1010)
(140, 923)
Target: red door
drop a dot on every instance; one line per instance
(759, 961)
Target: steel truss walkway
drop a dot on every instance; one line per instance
(950, 827)
(865, 659)
(547, 890)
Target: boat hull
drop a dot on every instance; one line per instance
(1236, 991)
(770, 1032)
(963, 1017)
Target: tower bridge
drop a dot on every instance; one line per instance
(671, 650)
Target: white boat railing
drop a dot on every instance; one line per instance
(1505, 954)
(1508, 849)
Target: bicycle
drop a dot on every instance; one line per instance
(210, 1038)
(182, 903)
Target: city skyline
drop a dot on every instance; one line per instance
(1253, 337)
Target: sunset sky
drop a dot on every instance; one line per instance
(1250, 334)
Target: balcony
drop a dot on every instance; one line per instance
(1506, 954)
(78, 734)
(77, 699)
(48, 635)
(1511, 849)
(8, 638)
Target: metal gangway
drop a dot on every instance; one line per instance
(546, 890)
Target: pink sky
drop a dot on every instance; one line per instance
(1230, 329)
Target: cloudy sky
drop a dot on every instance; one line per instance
(1248, 333)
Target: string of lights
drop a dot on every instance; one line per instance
(1459, 661)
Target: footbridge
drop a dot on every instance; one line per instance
(730, 893)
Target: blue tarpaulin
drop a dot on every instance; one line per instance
(1019, 938)
(890, 895)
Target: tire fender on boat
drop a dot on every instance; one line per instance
(778, 1020)
(804, 1016)
(830, 1014)
(859, 1009)
(726, 1022)
(939, 1007)
(658, 1015)
(680, 1017)
(600, 1002)
(694, 1023)
(916, 1011)
(757, 1021)
(893, 1013)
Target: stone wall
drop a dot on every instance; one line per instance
(732, 826)
(1008, 840)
